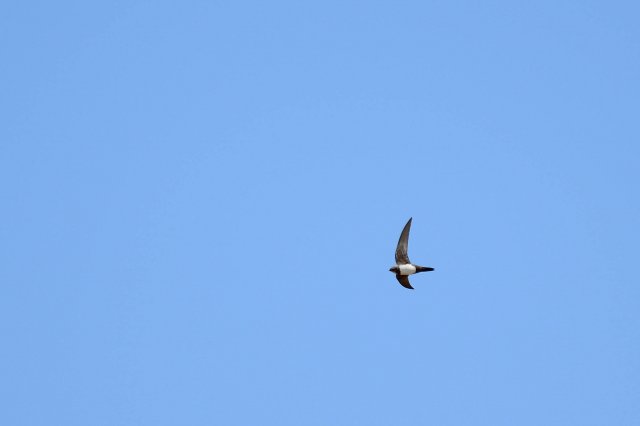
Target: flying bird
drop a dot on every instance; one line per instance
(403, 267)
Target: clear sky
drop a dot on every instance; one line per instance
(201, 202)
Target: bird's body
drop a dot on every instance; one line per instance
(407, 269)
(403, 267)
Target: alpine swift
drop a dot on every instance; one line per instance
(404, 267)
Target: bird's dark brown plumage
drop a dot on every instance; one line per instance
(404, 281)
(402, 256)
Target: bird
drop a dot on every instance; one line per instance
(403, 267)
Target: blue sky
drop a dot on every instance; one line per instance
(201, 201)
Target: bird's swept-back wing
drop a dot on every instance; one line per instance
(404, 281)
(402, 257)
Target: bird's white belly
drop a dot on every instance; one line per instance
(407, 269)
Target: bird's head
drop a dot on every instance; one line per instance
(394, 269)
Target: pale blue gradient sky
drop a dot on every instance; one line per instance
(201, 201)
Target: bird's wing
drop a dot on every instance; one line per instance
(404, 281)
(402, 257)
